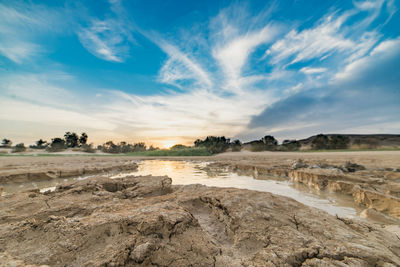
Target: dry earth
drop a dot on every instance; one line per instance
(144, 221)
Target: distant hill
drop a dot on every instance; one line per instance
(356, 141)
(362, 140)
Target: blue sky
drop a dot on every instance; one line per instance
(171, 71)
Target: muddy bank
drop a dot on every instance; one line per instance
(144, 221)
(40, 169)
(372, 188)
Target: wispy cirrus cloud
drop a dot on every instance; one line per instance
(109, 39)
(238, 67)
(233, 55)
(179, 67)
(17, 22)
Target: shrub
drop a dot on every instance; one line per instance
(71, 139)
(291, 145)
(214, 144)
(178, 147)
(256, 146)
(40, 144)
(19, 148)
(339, 142)
(6, 143)
(110, 147)
(83, 139)
(320, 142)
(88, 148)
(57, 144)
(236, 146)
(268, 142)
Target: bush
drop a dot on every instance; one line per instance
(214, 144)
(40, 144)
(19, 148)
(83, 139)
(88, 148)
(270, 142)
(257, 146)
(291, 145)
(236, 146)
(267, 143)
(339, 142)
(320, 142)
(57, 144)
(6, 143)
(334, 142)
(178, 147)
(71, 139)
(110, 147)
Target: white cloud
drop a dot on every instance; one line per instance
(17, 111)
(109, 39)
(19, 51)
(38, 88)
(106, 40)
(309, 70)
(312, 43)
(233, 55)
(180, 67)
(384, 50)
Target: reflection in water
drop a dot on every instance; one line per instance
(184, 173)
(42, 185)
(190, 172)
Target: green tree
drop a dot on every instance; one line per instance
(321, 141)
(339, 142)
(110, 147)
(291, 145)
(214, 144)
(178, 147)
(270, 142)
(139, 147)
(40, 144)
(236, 145)
(6, 142)
(152, 148)
(57, 144)
(19, 148)
(83, 139)
(71, 139)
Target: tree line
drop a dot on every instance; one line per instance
(219, 144)
(213, 144)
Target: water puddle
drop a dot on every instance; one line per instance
(43, 186)
(190, 172)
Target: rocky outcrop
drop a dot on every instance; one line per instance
(43, 174)
(375, 189)
(144, 221)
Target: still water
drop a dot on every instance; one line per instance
(193, 172)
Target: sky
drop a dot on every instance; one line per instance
(171, 71)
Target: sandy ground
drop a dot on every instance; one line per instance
(370, 159)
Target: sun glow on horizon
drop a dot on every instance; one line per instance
(168, 143)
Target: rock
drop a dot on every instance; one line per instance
(65, 169)
(144, 221)
(379, 217)
(352, 167)
(299, 164)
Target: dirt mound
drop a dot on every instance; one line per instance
(144, 221)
